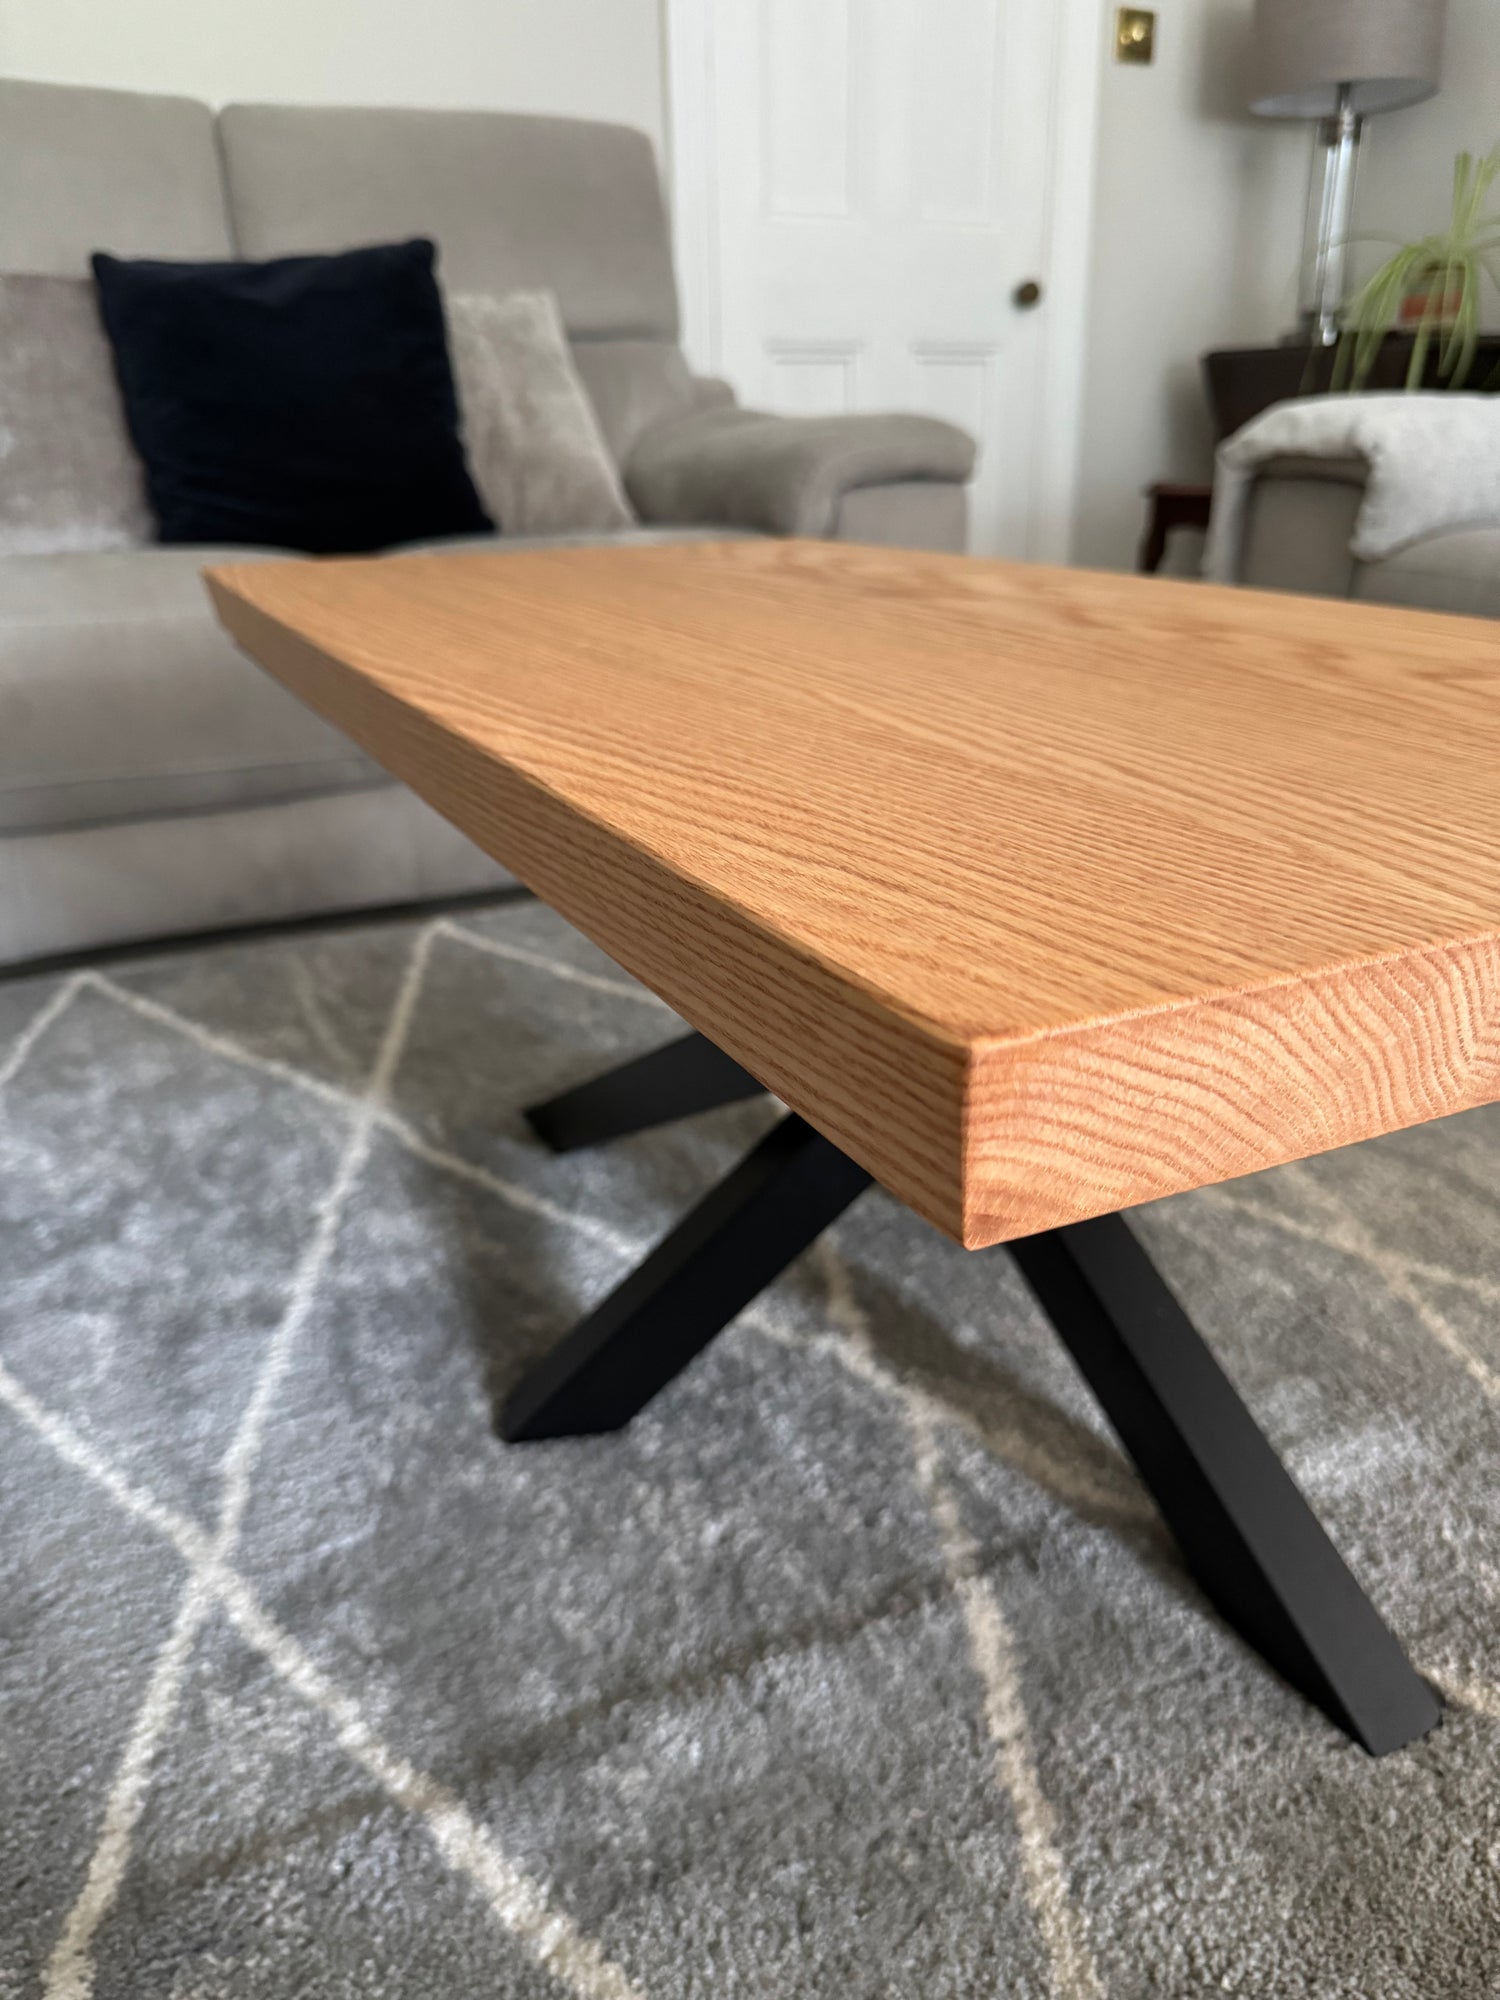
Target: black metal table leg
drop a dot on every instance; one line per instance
(778, 1200)
(1248, 1536)
(687, 1076)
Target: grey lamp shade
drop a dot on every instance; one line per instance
(1388, 51)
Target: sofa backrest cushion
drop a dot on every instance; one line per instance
(515, 203)
(632, 385)
(86, 170)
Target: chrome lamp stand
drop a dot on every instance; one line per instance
(1330, 209)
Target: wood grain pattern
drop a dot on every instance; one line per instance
(1040, 892)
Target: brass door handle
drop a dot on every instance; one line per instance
(1027, 295)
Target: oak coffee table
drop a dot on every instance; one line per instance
(1034, 894)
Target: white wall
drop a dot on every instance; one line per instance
(1406, 174)
(594, 58)
(1197, 228)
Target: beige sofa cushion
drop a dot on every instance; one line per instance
(86, 170)
(123, 698)
(534, 446)
(90, 886)
(514, 203)
(70, 479)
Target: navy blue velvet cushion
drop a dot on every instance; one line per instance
(305, 403)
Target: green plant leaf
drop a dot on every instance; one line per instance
(1454, 273)
(1377, 305)
(1451, 264)
(1462, 343)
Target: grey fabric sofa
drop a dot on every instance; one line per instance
(1298, 526)
(154, 781)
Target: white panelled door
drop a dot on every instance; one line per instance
(862, 189)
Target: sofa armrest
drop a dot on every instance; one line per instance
(1419, 466)
(906, 514)
(783, 475)
(1299, 521)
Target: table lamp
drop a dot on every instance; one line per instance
(1337, 61)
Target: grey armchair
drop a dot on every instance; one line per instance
(1330, 517)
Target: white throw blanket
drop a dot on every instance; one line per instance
(1434, 466)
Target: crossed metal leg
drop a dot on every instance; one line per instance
(779, 1198)
(1245, 1531)
(687, 1076)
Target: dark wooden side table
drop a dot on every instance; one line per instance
(1243, 381)
(1174, 504)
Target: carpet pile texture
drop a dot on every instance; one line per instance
(858, 1666)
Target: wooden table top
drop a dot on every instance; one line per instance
(1040, 892)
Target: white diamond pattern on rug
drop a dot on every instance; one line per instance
(86, 1597)
(270, 1861)
(152, 1201)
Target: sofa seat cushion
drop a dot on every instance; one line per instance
(1459, 571)
(646, 538)
(123, 698)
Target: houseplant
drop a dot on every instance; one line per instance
(1432, 288)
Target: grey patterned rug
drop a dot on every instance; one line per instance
(857, 1667)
